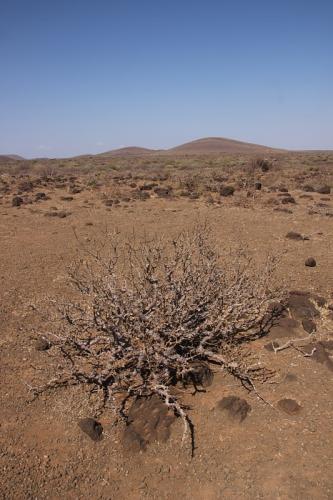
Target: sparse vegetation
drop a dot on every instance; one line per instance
(147, 312)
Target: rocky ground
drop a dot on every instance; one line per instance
(277, 445)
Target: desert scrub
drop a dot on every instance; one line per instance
(148, 311)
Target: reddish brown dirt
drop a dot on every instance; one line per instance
(269, 453)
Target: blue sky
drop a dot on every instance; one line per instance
(80, 76)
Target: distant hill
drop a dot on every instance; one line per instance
(219, 145)
(7, 158)
(129, 151)
(207, 145)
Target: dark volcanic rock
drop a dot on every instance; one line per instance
(163, 192)
(200, 375)
(17, 201)
(324, 190)
(310, 262)
(236, 408)
(309, 189)
(61, 214)
(149, 420)
(227, 190)
(309, 325)
(289, 406)
(42, 344)
(92, 428)
(40, 196)
(292, 235)
(288, 199)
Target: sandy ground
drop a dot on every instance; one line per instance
(270, 454)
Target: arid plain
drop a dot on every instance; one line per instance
(269, 202)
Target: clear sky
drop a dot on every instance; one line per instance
(79, 76)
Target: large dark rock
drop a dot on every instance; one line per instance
(149, 420)
(200, 375)
(92, 428)
(235, 407)
(289, 406)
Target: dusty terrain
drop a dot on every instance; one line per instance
(271, 451)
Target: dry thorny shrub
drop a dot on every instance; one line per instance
(149, 311)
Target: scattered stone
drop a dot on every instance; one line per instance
(42, 344)
(292, 235)
(258, 186)
(308, 189)
(17, 201)
(227, 190)
(57, 213)
(148, 187)
(263, 164)
(108, 203)
(288, 199)
(236, 407)
(200, 375)
(74, 190)
(163, 192)
(289, 406)
(324, 189)
(309, 325)
(92, 428)
(310, 262)
(67, 198)
(40, 196)
(149, 420)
